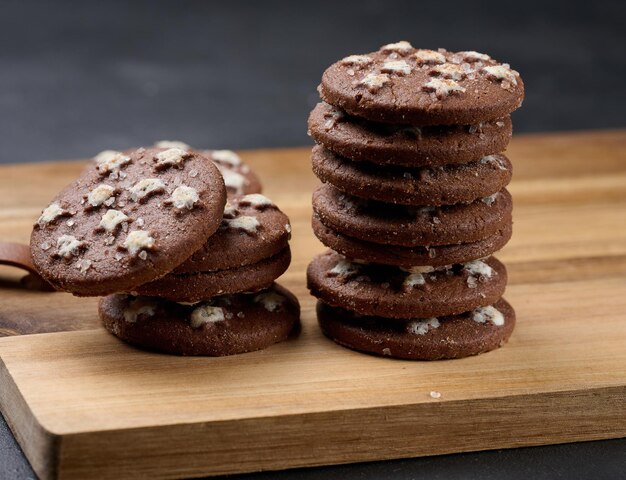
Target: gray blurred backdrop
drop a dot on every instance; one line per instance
(80, 76)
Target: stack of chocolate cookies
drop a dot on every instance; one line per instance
(196, 259)
(414, 202)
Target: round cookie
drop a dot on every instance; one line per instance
(225, 325)
(435, 256)
(408, 226)
(445, 185)
(194, 287)
(128, 219)
(403, 85)
(253, 228)
(455, 336)
(239, 178)
(391, 292)
(406, 145)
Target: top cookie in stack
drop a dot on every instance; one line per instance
(414, 201)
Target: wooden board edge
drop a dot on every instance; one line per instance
(348, 436)
(39, 445)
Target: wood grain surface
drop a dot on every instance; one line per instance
(82, 403)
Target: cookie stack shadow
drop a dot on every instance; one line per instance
(413, 203)
(189, 239)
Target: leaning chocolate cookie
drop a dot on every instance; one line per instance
(128, 219)
(239, 178)
(225, 325)
(247, 253)
(392, 292)
(444, 185)
(404, 85)
(454, 336)
(406, 145)
(435, 256)
(410, 226)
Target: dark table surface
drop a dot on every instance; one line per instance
(77, 77)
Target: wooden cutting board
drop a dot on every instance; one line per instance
(81, 403)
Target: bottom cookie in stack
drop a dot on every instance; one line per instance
(223, 299)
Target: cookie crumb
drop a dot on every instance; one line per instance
(435, 394)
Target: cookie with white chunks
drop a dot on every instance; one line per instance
(444, 185)
(411, 226)
(128, 219)
(435, 256)
(454, 336)
(392, 292)
(406, 145)
(247, 253)
(221, 326)
(404, 85)
(239, 178)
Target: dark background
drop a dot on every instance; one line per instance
(77, 77)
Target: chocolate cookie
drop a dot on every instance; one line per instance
(239, 178)
(406, 145)
(435, 256)
(445, 185)
(403, 85)
(392, 292)
(411, 226)
(454, 336)
(128, 219)
(194, 287)
(225, 325)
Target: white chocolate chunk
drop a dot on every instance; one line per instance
(449, 70)
(50, 213)
(184, 197)
(138, 240)
(256, 200)
(419, 269)
(429, 57)
(442, 88)
(374, 81)
(501, 73)
(422, 327)
(488, 314)
(111, 161)
(478, 268)
(412, 280)
(171, 157)
(490, 199)
(399, 67)
(232, 179)
(172, 144)
(245, 223)
(206, 314)
(139, 306)
(472, 56)
(68, 246)
(146, 187)
(344, 268)
(230, 211)
(111, 219)
(494, 159)
(400, 47)
(271, 301)
(100, 194)
(226, 156)
(357, 60)
(83, 265)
